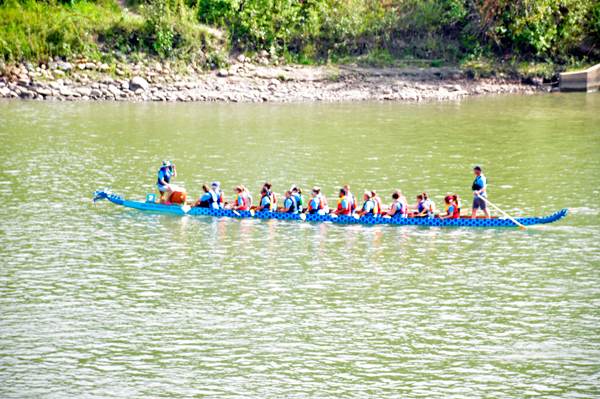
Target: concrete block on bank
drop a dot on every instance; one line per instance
(586, 80)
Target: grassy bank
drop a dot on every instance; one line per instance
(527, 37)
(34, 31)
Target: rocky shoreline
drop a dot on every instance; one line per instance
(245, 80)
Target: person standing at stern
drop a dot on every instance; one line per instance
(479, 190)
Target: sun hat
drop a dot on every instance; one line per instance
(216, 184)
(477, 168)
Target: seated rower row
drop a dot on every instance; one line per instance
(347, 204)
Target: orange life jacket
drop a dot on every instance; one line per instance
(378, 202)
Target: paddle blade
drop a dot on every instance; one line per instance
(355, 216)
(303, 217)
(252, 212)
(236, 213)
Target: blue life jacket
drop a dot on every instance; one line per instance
(298, 199)
(294, 207)
(398, 213)
(267, 208)
(166, 177)
(372, 211)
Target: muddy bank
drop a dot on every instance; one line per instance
(244, 81)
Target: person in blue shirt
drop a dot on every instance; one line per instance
(479, 190)
(297, 194)
(369, 207)
(265, 201)
(289, 205)
(165, 174)
(318, 203)
(429, 206)
(219, 194)
(208, 200)
(397, 209)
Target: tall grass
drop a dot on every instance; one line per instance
(31, 30)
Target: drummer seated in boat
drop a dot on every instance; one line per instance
(265, 201)
(289, 205)
(165, 174)
(369, 208)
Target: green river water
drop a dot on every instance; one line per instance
(129, 304)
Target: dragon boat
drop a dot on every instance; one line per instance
(151, 205)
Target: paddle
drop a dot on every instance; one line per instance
(502, 212)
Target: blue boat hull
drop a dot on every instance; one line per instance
(178, 210)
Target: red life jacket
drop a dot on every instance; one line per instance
(348, 209)
(244, 207)
(456, 211)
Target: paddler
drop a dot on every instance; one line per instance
(265, 201)
(208, 199)
(218, 193)
(289, 205)
(247, 195)
(241, 201)
(352, 199)
(398, 209)
(421, 210)
(318, 203)
(344, 206)
(369, 208)
(479, 190)
(377, 199)
(403, 201)
(165, 174)
(272, 196)
(297, 194)
(452, 211)
(429, 205)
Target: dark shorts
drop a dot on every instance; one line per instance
(478, 203)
